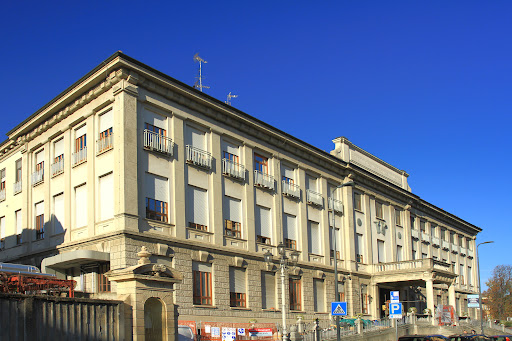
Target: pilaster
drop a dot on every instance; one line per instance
(349, 233)
(215, 192)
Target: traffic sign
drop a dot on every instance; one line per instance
(338, 308)
(395, 296)
(395, 310)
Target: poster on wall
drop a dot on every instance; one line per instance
(473, 301)
(215, 331)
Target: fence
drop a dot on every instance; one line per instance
(39, 318)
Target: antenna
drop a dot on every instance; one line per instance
(230, 96)
(199, 79)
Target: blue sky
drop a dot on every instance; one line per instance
(424, 85)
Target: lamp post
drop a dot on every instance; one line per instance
(284, 262)
(333, 238)
(480, 287)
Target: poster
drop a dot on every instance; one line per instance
(260, 332)
(207, 329)
(215, 331)
(228, 334)
(473, 301)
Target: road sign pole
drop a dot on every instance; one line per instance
(396, 329)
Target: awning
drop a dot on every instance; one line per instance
(71, 259)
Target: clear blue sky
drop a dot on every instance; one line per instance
(424, 85)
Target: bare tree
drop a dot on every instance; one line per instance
(499, 298)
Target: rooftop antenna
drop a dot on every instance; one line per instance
(199, 79)
(230, 96)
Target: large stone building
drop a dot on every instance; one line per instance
(129, 157)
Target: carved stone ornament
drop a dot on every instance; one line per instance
(144, 256)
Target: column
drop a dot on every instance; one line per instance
(451, 294)
(374, 305)
(430, 294)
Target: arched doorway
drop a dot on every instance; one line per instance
(154, 320)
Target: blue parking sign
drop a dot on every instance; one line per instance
(339, 308)
(395, 310)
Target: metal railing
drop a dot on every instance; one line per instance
(37, 177)
(57, 167)
(314, 198)
(17, 187)
(233, 169)
(263, 180)
(198, 157)
(290, 189)
(158, 143)
(335, 205)
(104, 143)
(79, 157)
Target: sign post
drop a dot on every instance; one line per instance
(395, 312)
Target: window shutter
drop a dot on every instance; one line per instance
(203, 267)
(58, 212)
(268, 290)
(231, 149)
(197, 206)
(40, 157)
(40, 208)
(232, 209)
(106, 197)
(19, 229)
(312, 183)
(290, 227)
(288, 172)
(156, 187)
(80, 131)
(237, 280)
(106, 121)
(263, 222)
(156, 120)
(2, 227)
(58, 148)
(314, 238)
(81, 206)
(196, 138)
(318, 287)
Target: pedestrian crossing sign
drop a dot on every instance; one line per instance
(339, 308)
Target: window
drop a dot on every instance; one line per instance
(358, 205)
(202, 277)
(80, 154)
(40, 161)
(470, 277)
(2, 179)
(58, 157)
(197, 208)
(443, 234)
(232, 217)
(39, 209)
(461, 274)
(414, 249)
(290, 231)
(58, 213)
(38, 175)
(19, 229)
(312, 183)
(106, 197)
(338, 243)
(155, 137)
(413, 220)
(17, 184)
(452, 237)
(364, 299)
(469, 245)
(359, 248)
(81, 206)
(399, 256)
(2, 233)
(156, 197)
(295, 293)
(423, 227)
(268, 290)
(315, 239)
(341, 292)
(381, 255)
(105, 140)
(103, 282)
(398, 217)
(378, 210)
(230, 161)
(155, 129)
(319, 295)
(237, 288)
(261, 164)
(263, 225)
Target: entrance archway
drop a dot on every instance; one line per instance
(154, 320)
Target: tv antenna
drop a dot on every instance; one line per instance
(230, 96)
(199, 79)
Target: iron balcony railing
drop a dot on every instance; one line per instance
(37, 177)
(263, 180)
(79, 157)
(104, 143)
(290, 189)
(2, 195)
(233, 169)
(314, 198)
(58, 167)
(198, 157)
(335, 205)
(158, 143)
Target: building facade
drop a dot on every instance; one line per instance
(129, 157)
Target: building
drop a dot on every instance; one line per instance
(129, 157)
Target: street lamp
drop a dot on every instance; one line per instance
(284, 263)
(333, 238)
(480, 287)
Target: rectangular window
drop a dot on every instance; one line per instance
(2, 233)
(378, 210)
(290, 231)
(399, 256)
(40, 161)
(312, 183)
(413, 225)
(319, 295)
(103, 282)
(261, 163)
(58, 213)
(359, 248)
(263, 225)
(443, 234)
(39, 209)
(19, 229)
(196, 138)
(202, 277)
(398, 217)
(341, 292)
(232, 217)
(338, 243)
(80, 154)
(268, 290)
(156, 188)
(423, 227)
(381, 255)
(18, 170)
(288, 175)
(2, 179)
(197, 208)
(155, 129)
(58, 150)
(358, 205)
(414, 249)
(295, 294)
(106, 197)
(81, 206)
(315, 240)
(237, 287)
(461, 274)
(231, 157)
(470, 277)
(105, 127)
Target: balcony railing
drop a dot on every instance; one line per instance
(425, 238)
(58, 167)
(415, 234)
(233, 169)
(463, 251)
(263, 180)
(198, 157)
(470, 253)
(435, 241)
(158, 143)
(446, 245)
(455, 248)
(335, 205)
(289, 189)
(79, 157)
(2, 195)
(314, 198)
(37, 177)
(104, 143)
(426, 263)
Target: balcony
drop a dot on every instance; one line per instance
(79, 157)
(435, 241)
(455, 248)
(290, 190)
(158, 143)
(413, 271)
(198, 157)
(104, 144)
(463, 251)
(335, 205)
(470, 253)
(445, 245)
(233, 169)
(263, 180)
(2, 195)
(415, 234)
(425, 238)
(314, 198)
(57, 167)
(37, 177)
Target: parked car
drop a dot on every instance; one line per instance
(422, 338)
(470, 337)
(185, 333)
(501, 337)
